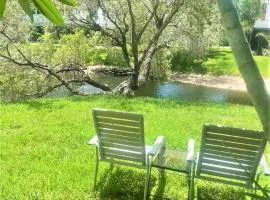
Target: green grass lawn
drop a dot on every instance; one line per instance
(221, 61)
(44, 152)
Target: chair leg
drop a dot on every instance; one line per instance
(254, 189)
(191, 182)
(96, 170)
(147, 183)
(161, 162)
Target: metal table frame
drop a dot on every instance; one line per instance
(187, 159)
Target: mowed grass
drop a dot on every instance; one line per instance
(44, 152)
(221, 62)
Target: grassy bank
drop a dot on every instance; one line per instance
(44, 152)
(221, 61)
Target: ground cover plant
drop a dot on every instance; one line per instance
(44, 152)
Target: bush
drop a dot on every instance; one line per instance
(99, 55)
(261, 43)
(78, 49)
(185, 61)
(73, 48)
(160, 65)
(16, 83)
(115, 57)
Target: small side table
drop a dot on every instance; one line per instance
(172, 160)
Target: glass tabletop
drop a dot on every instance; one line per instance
(172, 159)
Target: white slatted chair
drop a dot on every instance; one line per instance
(231, 156)
(119, 140)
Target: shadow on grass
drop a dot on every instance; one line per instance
(38, 104)
(122, 183)
(210, 191)
(217, 54)
(159, 194)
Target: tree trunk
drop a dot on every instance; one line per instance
(246, 63)
(145, 70)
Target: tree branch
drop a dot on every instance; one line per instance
(175, 7)
(45, 69)
(153, 13)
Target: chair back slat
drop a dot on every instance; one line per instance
(121, 135)
(230, 153)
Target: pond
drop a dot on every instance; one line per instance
(169, 90)
(176, 90)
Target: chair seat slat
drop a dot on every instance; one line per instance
(118, 127)
(120, 133)
(234, 131)
(228, 159)
(223, 163)
(122, 146)
(120, 137)
(118, 121)
(123, 152)
(223, 170)
(121, 141)
(233, 139)
(117, 115)
(232, 144)
(230, 155)
(231, 150)
(229, 176)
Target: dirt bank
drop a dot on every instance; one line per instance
(224, 81)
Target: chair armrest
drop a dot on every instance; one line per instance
(265, 168)
(155, 148)
(190, 151)
(94, 141)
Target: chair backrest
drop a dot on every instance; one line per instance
(229, 155)
(121, 136)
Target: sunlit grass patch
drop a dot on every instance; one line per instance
(44, 152)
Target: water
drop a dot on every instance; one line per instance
(168, 90)
(183, 91)
(110, 80)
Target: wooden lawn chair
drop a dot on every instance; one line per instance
(231, 156)
(120, 140)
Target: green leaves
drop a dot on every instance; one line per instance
(46, 7)
(26, 7)
(2, 7)
(69, 2)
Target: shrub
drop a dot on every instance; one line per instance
(16, 83)
(185, 61)
(97, 55)
(78, 49)
(73, 48)
(115, 57)
(160, 65)
(261, 43)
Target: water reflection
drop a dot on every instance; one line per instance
(171, 90)
(192, 92)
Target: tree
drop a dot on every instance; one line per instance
(246, 63)
(130, 24)
(248, 11)
(53, 76)
(19, 60)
